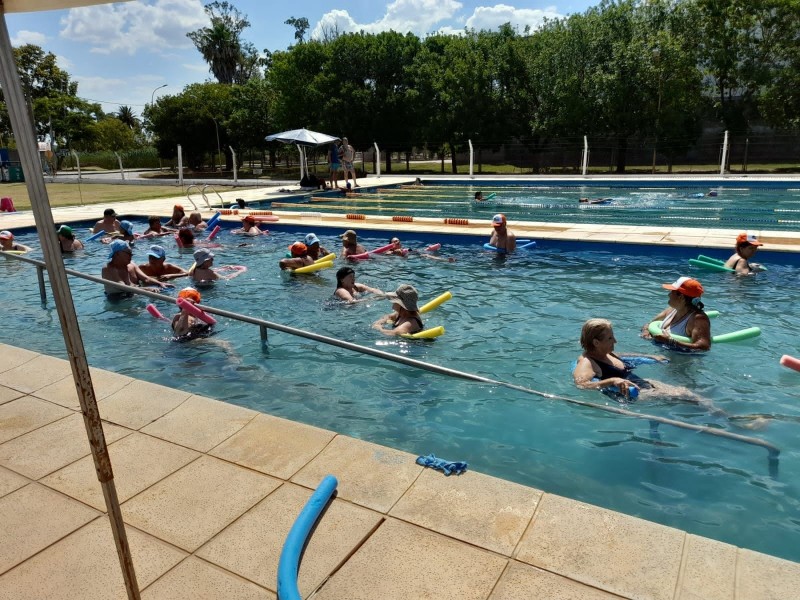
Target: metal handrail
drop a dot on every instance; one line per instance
(189, 197)
(221, 200)
(772, 450)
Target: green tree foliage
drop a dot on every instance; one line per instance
(229, 57)
(126, 115)
(300, 27)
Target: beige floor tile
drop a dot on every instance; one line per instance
(195, 579)
(8, 394)
(32, 518)
(370, 475)
(195, 503)
(138, 461)
(612, 551)
(709, 570)
(401, 561)
(10, 481)
(252, 545)
(763, 577)
(35, 374)
(63, 392)
(85, 566)
(140, 403)
(53, 446)
(482, 510)
(201, 423)
(274, 446)
(12, 357)
(524, 581)
(26, 414)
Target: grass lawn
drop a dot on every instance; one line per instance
(72, 194)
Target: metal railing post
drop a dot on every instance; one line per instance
(42, 290)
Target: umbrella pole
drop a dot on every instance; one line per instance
(22, 125)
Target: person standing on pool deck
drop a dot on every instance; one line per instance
(347, 289)
(350, 245)
(7, 243)
(502, 237)
(108, 223)
(405, 319)
(334, 165)
(746, 247)
(348, 156)
(684, 316)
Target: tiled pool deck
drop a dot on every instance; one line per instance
(209, 491)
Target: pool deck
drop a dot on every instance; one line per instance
(209, 491)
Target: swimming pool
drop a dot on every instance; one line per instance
(514, 319)
(744, 206)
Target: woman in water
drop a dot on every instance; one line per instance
(405, 319)
(684, 317)
(746, 247)
(184, 325)
(347, 289)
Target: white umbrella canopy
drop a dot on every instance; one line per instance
(303, 137)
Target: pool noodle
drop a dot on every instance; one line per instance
(262, 218)
(435, 302)
(326, 258)
(213, 220)
(313, 267)
(15, 251)
(734, 336)
(790, 362)
(151, 308)
(427, 334)
(184, 304)
(530, 244)
(709, 266)
(433, 247)
(214, 233)
(289, 561)
(382, 249)
(97, 235)
(490, 196)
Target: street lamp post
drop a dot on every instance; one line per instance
(216, 128)
(153, 95)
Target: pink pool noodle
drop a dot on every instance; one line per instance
(213, 233)
(184, 304)
(790, 362)
(151, 308)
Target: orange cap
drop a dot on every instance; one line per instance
(190, 294)
(686, 286)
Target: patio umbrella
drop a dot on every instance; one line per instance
(302, 138)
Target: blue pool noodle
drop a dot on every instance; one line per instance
(213, 220)
(296, 540)
(99, 234)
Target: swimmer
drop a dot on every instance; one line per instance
(348, 290)
(108, 223)
(66, 239)
(249, 227)
(158, 267)
(596, 201)
(478, 196)
(125, 233)
(398, 250)
(405, 319)
(350, 245)
(120, 268)
(7, 243)
(154, 228)
(300, 257)
(203, 260)
(178, 215)
(186, 238)
(315, 249)
(185, 325)
(684, 316)
(502, 237)
(194, 221)
(746, 248)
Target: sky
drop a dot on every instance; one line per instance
(120, 53)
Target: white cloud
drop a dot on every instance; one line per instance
(64, 63)
(422, 17)
(28, 37)
(132, 26)
(492, 17)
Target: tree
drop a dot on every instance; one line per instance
(230, 59)
(300, 27)
(126, 115)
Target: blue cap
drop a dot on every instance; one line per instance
(126, 227)
(157, 252)
(118, 246)
(311, 239)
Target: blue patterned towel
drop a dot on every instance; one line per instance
(445, 466)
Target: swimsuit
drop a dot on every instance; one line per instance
(608, 370)
(678, 328)
(417, 319)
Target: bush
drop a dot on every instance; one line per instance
(138, 158)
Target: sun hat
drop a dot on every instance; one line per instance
(499, 220)
(298, 249)
(118, 246)
(349, 235)
(190, 293)
(126, 227)
(686, 286)
(406, 296)
(311, 239)
(744, 238)
(201, 255)
(157, 252)
(109, 212)
(65, 230)
(6, 235)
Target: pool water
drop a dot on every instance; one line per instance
(736, 208)
(516, 319)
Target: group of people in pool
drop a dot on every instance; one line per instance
(599, 367)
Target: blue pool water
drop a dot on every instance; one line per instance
(514, 319)
(738, 207)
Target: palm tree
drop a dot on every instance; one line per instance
(128, 117)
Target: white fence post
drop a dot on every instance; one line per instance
(235, 166)
(724, 155)
(77, 162)
(180, 166)
(377, 159)
(121, 170)
(471, 158)
(585, 159)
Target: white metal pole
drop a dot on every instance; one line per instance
(300, 151)
(121, 170)
(235, 166)
(180, 166)
(724, 155)
(471, 158)
(585, 160)
(77, 162)
(377, 159)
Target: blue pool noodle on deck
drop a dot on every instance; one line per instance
(445, 466)
(296, 540)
